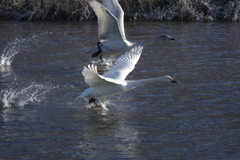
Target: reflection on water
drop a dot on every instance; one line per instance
(199, 117)
(110, 124)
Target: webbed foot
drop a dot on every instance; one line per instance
(92, 100)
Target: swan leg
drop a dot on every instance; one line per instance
(92, 100)
(101, 58)
(98, 52)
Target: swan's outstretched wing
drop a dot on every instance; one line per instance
(92, 78)
(124, 64)
(114, 7)
(108, 27)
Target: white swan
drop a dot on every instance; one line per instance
(113, 82)
(111, 33)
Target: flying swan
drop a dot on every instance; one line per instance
(113, 82)
(111, 33)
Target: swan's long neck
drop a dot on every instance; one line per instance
(135, 83)
(147, 42)
(159, 38)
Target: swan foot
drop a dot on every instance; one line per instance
(92, 100)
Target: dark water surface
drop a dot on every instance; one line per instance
(195, 119)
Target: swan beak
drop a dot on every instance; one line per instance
(173, 81)
(171, 39)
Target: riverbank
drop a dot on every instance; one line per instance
(156, 10)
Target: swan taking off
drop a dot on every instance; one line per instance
(111, 33)
(113, 82)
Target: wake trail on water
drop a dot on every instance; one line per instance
(10, 51)
(19, 97)
(16, 46)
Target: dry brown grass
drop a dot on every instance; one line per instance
(158, 10)
(45, 9)
(187, 10)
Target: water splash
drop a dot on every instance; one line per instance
(105, 65)
(102, 103)
(8, 54)
(105, 62)
(23, 96)
(16, 46)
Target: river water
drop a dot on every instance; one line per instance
(40, 77)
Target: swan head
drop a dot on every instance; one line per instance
(165, 37)
(169, 79)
